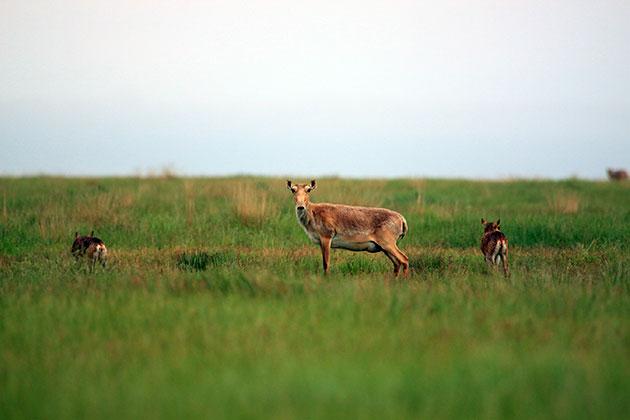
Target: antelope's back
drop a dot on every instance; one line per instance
(361, 219)
(489, 241)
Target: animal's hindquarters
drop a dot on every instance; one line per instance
(97, 253)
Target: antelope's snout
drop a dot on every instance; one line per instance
(300, 198)
(300, 201)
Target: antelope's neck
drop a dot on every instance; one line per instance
(304, 216)
(307, 221)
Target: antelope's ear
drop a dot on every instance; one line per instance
(91, 233)
(289, 184)
(313, 184)
(483, 221)
(76, 235)
(498, 222)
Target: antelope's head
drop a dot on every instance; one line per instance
(76, 245)
(490, 226)
(301, 194)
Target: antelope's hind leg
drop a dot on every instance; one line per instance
(101, 260)
(394, 261)
(489, 262)
(404, 260)
(506, 267)
(397, 258)
(92, 256)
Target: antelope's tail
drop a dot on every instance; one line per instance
(404, 230)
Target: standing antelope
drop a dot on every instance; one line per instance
(89, 246)
(349, 227)
(618, 175)
(494, 245)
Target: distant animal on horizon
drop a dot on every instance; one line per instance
(494, 245)
(353, 228)
(91, 247)
(617, 175)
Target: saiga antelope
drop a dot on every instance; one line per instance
(494, 245)
(618, 175)
(91, 247)
(349, 227)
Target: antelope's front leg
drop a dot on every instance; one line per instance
(324, 243)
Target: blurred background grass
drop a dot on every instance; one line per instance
(257, 212)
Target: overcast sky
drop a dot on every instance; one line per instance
(352, 88)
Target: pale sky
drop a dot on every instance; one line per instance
(387, 88)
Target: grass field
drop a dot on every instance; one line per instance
(214, 305)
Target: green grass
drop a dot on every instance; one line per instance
(213, 304)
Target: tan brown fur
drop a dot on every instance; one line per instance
(353, 228)
(494, 245)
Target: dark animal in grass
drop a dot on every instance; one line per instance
(618, 175)
(90, 247)
(494, 245)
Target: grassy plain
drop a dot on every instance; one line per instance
(213, 303)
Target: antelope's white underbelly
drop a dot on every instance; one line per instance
(368, 246)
